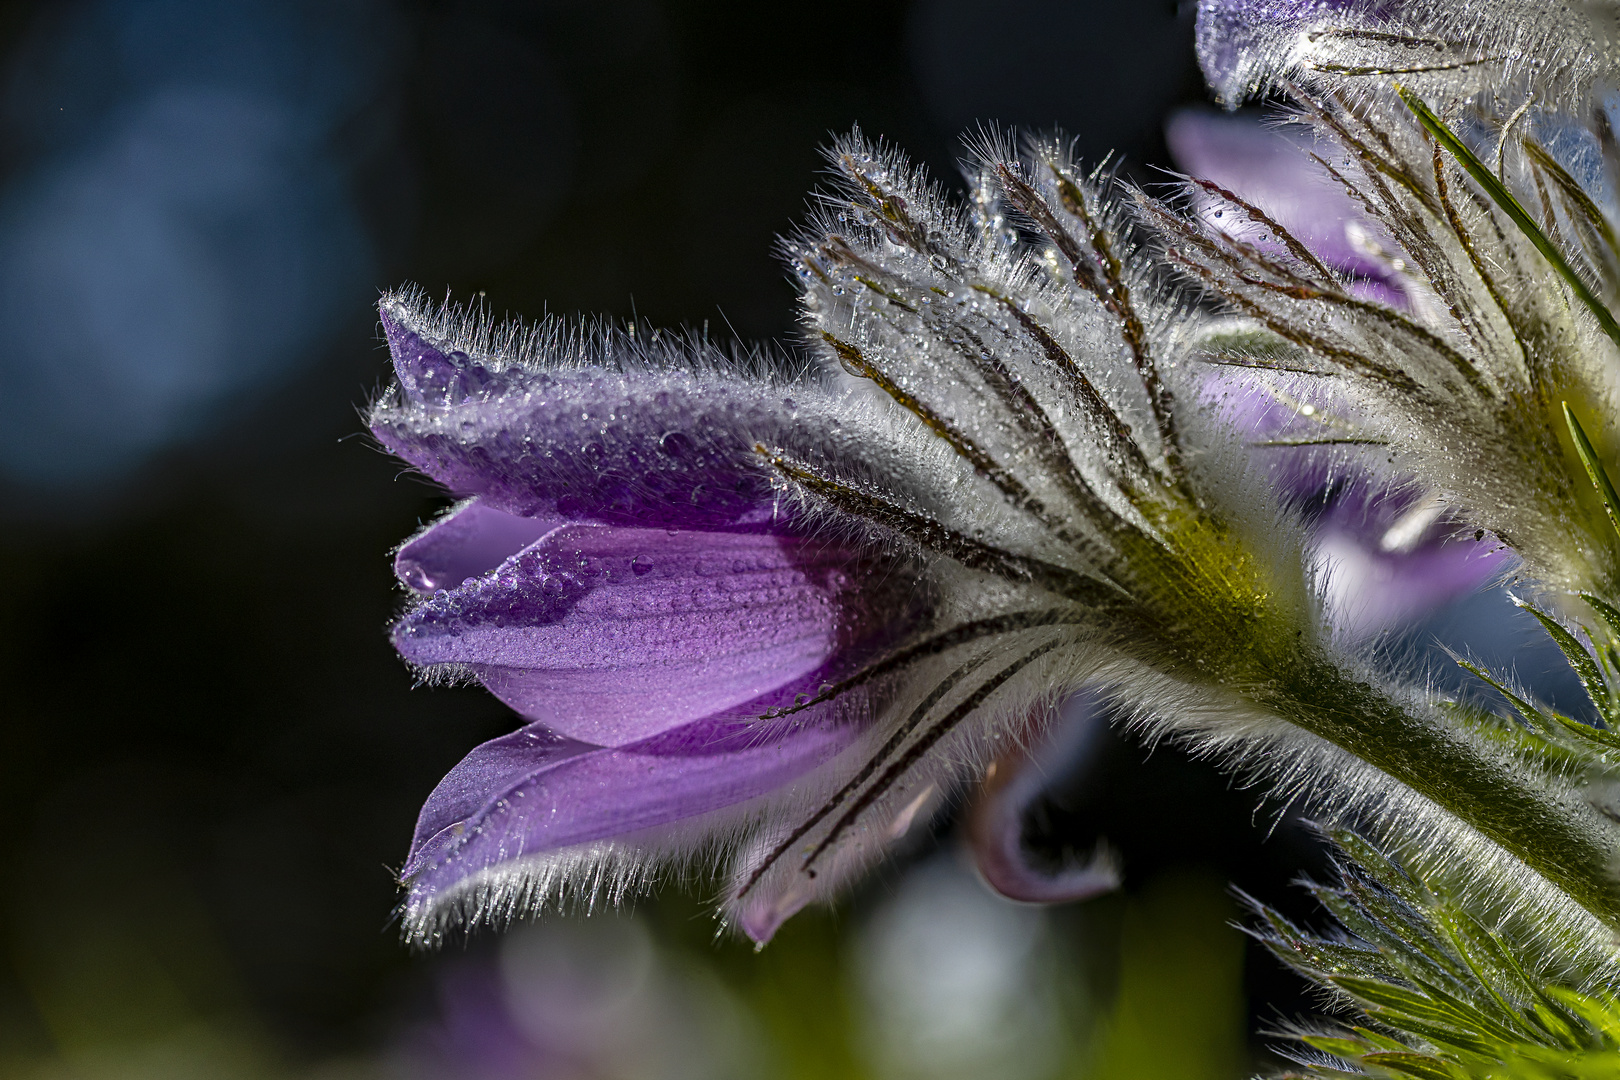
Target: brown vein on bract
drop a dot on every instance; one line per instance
(1033, 205)
(1355, 72)
(940, 538)
(1384, 37)
(923, 744)
(1025, 411)
(1300, 288)
(959, 635)
(1265, 365)
(1334, 294)
(1535, 376)
(1466, 240)
(1118, 432)
(900, 734)
(1591, 221)
(1295, 248)
(1415, 243)
(1383, 314)
(1390, 168)
(892, 207)
(1353, 361)
(1027, 201)
(856, 362)
(1015, 491)
(1115, 296)
(1345, 441)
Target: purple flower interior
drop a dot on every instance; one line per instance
(611, 635)
(474, 539)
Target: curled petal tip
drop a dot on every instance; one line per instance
(428, 374)
(995, 830)
(471, 539)
(1009, 871)
(1007, 866)
(760, 917)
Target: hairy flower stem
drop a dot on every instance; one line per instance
(1557, 835)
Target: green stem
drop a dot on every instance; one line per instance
(1561, 838)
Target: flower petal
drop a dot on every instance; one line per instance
(472, 538)
(1266, 167)
(1019, 779)
(531, 793)
(1388, 560)
(612, 635)
(639, 447)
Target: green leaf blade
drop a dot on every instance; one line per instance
(1594, 468)
(1515, 210)
(1585, 668)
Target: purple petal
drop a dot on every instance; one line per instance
(1266, 167)
(996, 826)
(611, 635)
(1390, 560)
(475, 537)
(642, 446)
(530, 792)
(1389, 555)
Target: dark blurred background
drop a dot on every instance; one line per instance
(210, 757)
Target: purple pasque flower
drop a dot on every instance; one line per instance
(623, 574)
(766, 615)
(770, 620)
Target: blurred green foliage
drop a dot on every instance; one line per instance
(1148, 986)
(1179, 1011)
